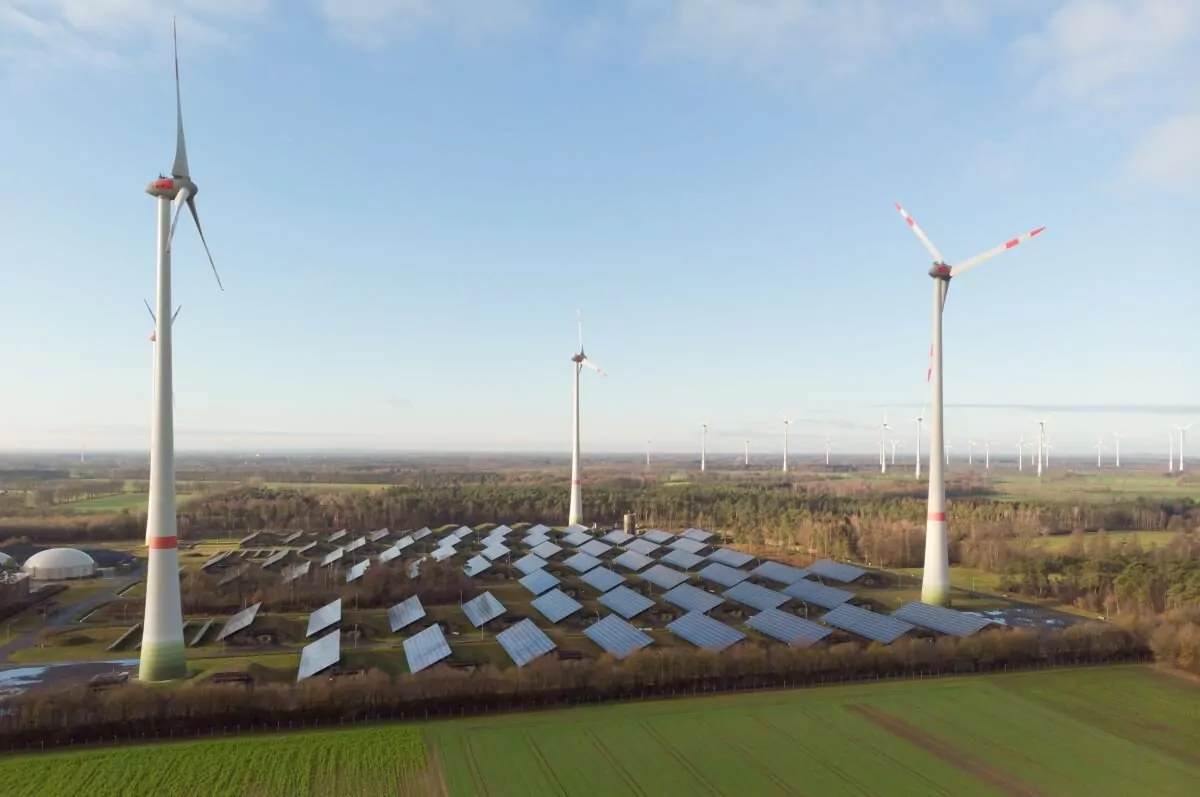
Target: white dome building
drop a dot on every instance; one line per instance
(59, 563)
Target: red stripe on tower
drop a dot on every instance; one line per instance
(575, 482)
(163, 543)
(938, 517)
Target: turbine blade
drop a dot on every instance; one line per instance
(180, 200)
(191, 203)
(176, 314)
(989, 254)
(933, 250)
(180, 167)
(579, 326)
(148, 310)
(594, 367)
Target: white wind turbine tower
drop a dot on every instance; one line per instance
(1021, 446)
(1182, 439)
(935, 582)
(1100, 449)
(828, 445)
(786, 424)
(703, 445)
(1170, 452)
(1041, 445)
(575, 514)
(1046, 452)
(163, 657)
(153, 503)
(1117, 443)
(920, 420)
(747, 453)
(647, 455)
(947, 447)
(895, 441)
(970, 451)
(883, 430)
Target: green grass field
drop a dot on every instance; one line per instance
(113, 503)
(1116, 539)
(1113, 731)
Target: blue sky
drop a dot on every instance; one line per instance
(408, 199)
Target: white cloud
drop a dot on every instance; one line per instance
(1168, 154)
(375, 22)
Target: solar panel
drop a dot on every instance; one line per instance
(664, 577)
(705, 632)
(354, 546)
(722, 574)
(294, 572)
(212, 560)
(248, 537)
(389, 554)
(872, 625)
(682, 559)
(539, 529)
(524, 642)
(602, 579)
(239, 621)
(441, 554)
(617, 636)
(482, 609)
(556, 605)
(376, 536)
(529, 563)
(404, 542)
(499, 531)
(577, 538)
(728, 556)
(756, 597)
(462, 532)
(534, 539)
(582, 562)
(779, 573)
(545, 550)
(657, 536)
(356, 572)
(940, 619)
(305, 549)
(633, 561)
(494, 552)
(275, 558)
(333, 556)
(324, 617)
(692, 599)
(494, 539)
(697, 535)
(476, 565)
(539, 581)
(626, 602)
(574, 527)
(448, 541)
(617, 537)
(644, 547)
(414, 567)
(426, 648)
(691, 546)
(405, 613)
(421, 533)
(836, 571)
(787, 627)
(595, 548)
(817, 594)
(295, 535)
(337, 535)
(319, 655)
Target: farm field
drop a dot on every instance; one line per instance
(1079, 486)
(1116, 539)
(113, 503)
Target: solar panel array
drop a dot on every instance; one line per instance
(633, 561)
(617, 636)
(728, 556)
(779, 573)
(354, 546)
(691, 546)
(482, 609)
(836, 571)
(556, 605)
(319, 655)
(333, 556)
(539, 581)
(787, 627)
(658, 536)
(664, 577)
(756, 597)
(941, 619)
(405, 613)
(476, 565)
(442, 553)
(697, 535)
(617, 537)
(582, 562)
(356, 572)
(289, 539)
(705, 632)
(538, 529)
(404, 542)
(682, 559)
(535, 538)
(212, 560)
(426, 648)
(577, 538)
(524, 642)
(494, 552)
(595, 548)
(241, 620)
(529, 563)
(376, 536)
(602, 579)
(722, 574)
(421, 533)
(290, 574)
(817, 594)
(545, 549)
(337, 535)
(389, 554)
(692, 599)
(626, 602)
(872, 625)
(644, 547)
(275, 558)
(324, 617)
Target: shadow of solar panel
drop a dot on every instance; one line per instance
(698, 535)
(633, 561)
(212, 560)
(577, 538)
(836, 571)
(295, 535)
(320, 655)
(476, 565)
(664, 577)
(787, 628)
(730, 557)
(539, 581)
(494, 552)
(389, 554)
(337, 535)
(582, 562)
(556, 605)
(421, 533)
(644, 547)
(691, 546)
(524, 642)
(595, 548)
(658, 536)
(941, 619)
(529, 563)
(534, 540)
(871, 625)
(275, 558)
(722, 574)
(426, 648)
(354, 546)
(333, 556)
(324, 617)
(602, 579)
(625, 602)
(817, 594)
(376, 536)
(294, 572)
(692, 599)
(681, 559)
(538, 529)
(756, 597)
(705, 632)
(545, 550)
(306, 548)
(617, 537)
(356, 572)
(241, 620)
(617, 636)
(233, 575)
(482, 609)
(405, 613)
(442, 553)
(779, 573)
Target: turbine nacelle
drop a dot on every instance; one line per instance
(169, 187)
(940, 271)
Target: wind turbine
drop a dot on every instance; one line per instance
(1100, 449)
(1171, 452)
(1041, 446)
(970, 451)
(1021, 446)
(1117, 442)
(828, 445)
(920, 420)
(747, 453)
(575, 514)
(1046, 451)
(647, 455)
(163, 657)
(948, 446)
(935, 580)
(703, 445)
(883, 430)
(786, 424)
(987, 453)
(895, 441)
(1182, 439)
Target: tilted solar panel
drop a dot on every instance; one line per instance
(941, 619)
(494, 552)
(376, 536)
(389, 554)
(320, 655)
(462, 532)
(836, 571)
(212, 560)
(241, 620)
(545, 550)
(405, 613)
(664, 577)
(625, 602)
(476, 565)
(691, 546)
(756, 597)
(482, 609)
(730, 557)
(356, 572)
(692, 599)
(779, 573)
(500, 531)
(582, 562)
(595, 548)
(535, 538)
(787, 627)
(617, 636)
(658, 536)
(295, 535)
(333, 556)
(354, 546)
(275, 558)
(306, 548)
(324, 617)
(705, 632)
(426, 648)
(248, 538)
(681, 559)
(602, 579)
(538, 529)
(577, 538)
(414, 567)
(294, 572)
(574, 527)
(442, 553)
(421, 533)
(524, 642)
(337, 535)
(644, 547)
(529, 563)
(404, 542)
(697, 535)
(633, 561)
(233, 575)
(539, 581)
(871, 625)
(556, 605)
(722, 574)
(617, 537)
(817, 594)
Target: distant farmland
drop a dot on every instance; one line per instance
(1112, 731)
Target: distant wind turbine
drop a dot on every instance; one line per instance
(579, 360)
(1100, 449)
(1046, 452)
(1171, 452)
(1117, 443)
(747, 453)
(786, 424)
(948, 446)
(647, 455)
(703, 445)
(987, 453)
(1182, 440)
(920, 420)
(883, 430)
(828, 445)
(970, 451)
(895, 441)
(1041, 443)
